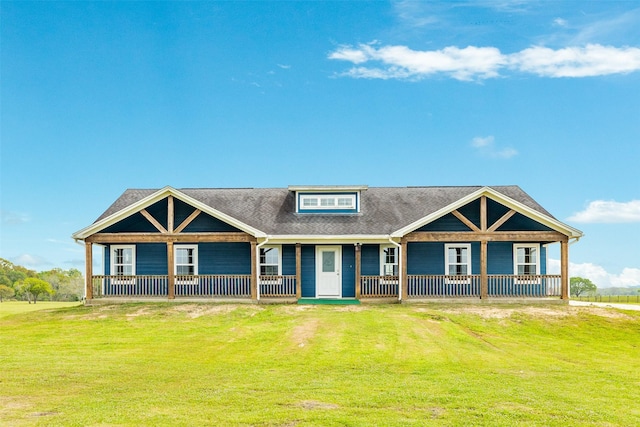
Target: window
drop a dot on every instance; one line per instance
(388, 261)
(270, 261)
(123, 262)
(457, 259)
(186, 263)
(526, 259)
(327, 202)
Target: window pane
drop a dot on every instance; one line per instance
(328, 202)
(269, 270)
(328, 262)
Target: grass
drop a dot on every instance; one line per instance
(8, 308)
(392, 365)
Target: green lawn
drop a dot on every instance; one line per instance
(8, 308)
(290, 365)
(616, 299)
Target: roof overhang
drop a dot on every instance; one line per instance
(145, 202)
(489, 192)
(328, 188)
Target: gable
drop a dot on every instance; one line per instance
(502, 212)
(149, 214)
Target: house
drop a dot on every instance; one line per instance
(339, 242)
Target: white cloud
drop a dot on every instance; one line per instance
(30, 261)
(608, 211)
(284, 66)
(591, 60)
(476, 63)
(560, 22)
(13, 218)
(598, 275)
(485, 145)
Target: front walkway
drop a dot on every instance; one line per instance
(634, 307)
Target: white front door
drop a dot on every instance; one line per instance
(328, 276)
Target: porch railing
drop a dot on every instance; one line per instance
(524, 286)
(214, 286)
(130, 286)
(200, 286)
(441, 286)
(277, 286)
(379, 286)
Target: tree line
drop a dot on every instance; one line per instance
(20, 283)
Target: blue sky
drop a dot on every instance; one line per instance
(97, 97)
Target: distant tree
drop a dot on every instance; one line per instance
(580, 285)
(67, 284)
(6, 292)
(33, 287)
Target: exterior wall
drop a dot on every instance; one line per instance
(308, 271)
(348, 271)
(370, 260)
(289, 260)
(213, 258)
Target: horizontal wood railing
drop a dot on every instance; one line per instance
(277, 286)
(524, 286)
(379, 286)
(442, 286)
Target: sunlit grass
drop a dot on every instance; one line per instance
(183, 365)
(8, 308)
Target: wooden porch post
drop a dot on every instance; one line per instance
(358, 267)
(404, 281)
(254, 272)
(484, 282)
(564, 268)
(298, 271)
(88, 270)
(171, 278)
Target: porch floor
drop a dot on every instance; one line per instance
(327, 301)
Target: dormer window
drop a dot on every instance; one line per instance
(328, 199)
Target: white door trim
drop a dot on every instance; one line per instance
(321, 278)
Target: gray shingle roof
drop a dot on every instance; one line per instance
(383, 209)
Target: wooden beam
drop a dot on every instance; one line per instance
(88, 270)
(496, 236)
(484, 281)
(187, 221)
(153, 221)
(501, 221)
(465, 220)
(170, 237)
(298, 270)
(564, 269)
(170, 214)
(171, 283)
(358, 267)
(483, 213)
(403, 287)
(254, 272)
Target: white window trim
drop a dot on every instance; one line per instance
(112, 258)
(383, 263)
(516, 246)
(320, 197)
(447, 246)
(193, 281)
(279, 248)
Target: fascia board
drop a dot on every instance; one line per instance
(552, 223)
(328, 188)
(153, 198)
(325, 239)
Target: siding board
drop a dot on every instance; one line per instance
(370, 260)
(308, 271)
(348, 271)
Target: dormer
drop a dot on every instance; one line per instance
(327, 199)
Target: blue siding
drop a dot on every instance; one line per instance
(348, 271)
(159, 211)
(472, 212)
(288, 260)
(446, 223)
(151, 259)
(370, 260)
(135, 223)
(499, 258)
(425, 258)
(519, 222)
(308, 271)
(495, 211)
(224, 258)
(107, 260)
